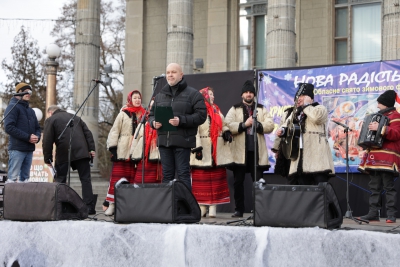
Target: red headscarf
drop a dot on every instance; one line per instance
(129, 105)
(213, 112)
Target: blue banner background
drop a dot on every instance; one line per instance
(349, 92)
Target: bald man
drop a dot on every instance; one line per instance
(189, 112)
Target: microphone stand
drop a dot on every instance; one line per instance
(70, 124)
(349, 212)
(142, 122)
(253, 132)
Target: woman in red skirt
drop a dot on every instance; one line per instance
(119, 143)
(210, 157)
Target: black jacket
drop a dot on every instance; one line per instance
(20, 124)
(82, 138)
(187, 104)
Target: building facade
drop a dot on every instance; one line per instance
(207, 36)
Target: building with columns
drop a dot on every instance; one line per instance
(232, 35)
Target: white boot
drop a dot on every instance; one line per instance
(212, 212)
(203, 209)
(110, 210)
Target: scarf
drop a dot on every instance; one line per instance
(150, 142)
(139, 111)
(213, 112)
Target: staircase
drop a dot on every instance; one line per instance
(99, 185)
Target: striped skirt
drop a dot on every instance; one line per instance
(120, 169)
(210, 186)
(152, 173)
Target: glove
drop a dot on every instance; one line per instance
(198, 151)
(113, 151)
(227, 136)
(259, 128)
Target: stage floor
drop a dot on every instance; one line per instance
(225, 219)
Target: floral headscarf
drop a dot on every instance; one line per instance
(213, 112)
(129, 105)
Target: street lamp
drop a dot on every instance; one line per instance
(53, 51)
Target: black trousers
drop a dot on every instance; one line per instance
(382, 180)
(83, 167)
(239, 174)
(307, 178)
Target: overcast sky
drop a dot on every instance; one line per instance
(26, 9)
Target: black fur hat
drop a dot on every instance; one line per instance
(387, 98)
(248, 86)
(305, 89)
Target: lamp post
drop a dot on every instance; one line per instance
(53, 51)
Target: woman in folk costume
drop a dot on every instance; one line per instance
(152, 166)
(119, 143)
(212, 153)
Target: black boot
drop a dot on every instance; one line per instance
(371, 216)
(92, 205)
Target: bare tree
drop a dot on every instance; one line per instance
(26, 66)
(112, 50)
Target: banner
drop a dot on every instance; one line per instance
(349, 92)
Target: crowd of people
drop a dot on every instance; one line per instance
(201, 145)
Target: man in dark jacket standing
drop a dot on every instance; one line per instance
(189, 112)
(23, 129)
(82, 150)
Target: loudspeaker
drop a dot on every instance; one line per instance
(171, 202)
(296, 206)
(42, 202)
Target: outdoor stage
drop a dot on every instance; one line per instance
(212, 242)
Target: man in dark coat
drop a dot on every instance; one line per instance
(82, 150)
(23, 128)
(189, 112)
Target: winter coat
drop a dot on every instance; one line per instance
(317, 156)
(82, 138)
(137, 147)
(386, 158)
(188, 105)
(203, 139)
(20, 124)
(233, 119)
(282, 165)
(121, 137)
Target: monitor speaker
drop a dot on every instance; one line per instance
(296, 206)
(42, 202)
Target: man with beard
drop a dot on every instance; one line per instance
(314, 164)
(240, 120)
(189, 112)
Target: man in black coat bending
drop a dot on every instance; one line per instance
(189, 112)
(82, 150)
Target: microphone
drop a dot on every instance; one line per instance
(97, 81)
(343, 125)
(159, 77)
(23, 93)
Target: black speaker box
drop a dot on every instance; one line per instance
(296, 206)
(42, 202)
(155, 203)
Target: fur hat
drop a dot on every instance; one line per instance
(248, 86)
(305, 89)
(387, 98)
(22, 87)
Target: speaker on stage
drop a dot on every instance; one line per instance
(42, 202)
(171, 202)
(296, 206)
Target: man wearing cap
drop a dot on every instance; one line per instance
(382, 164)
(23, 128)
(240, 120)
(314, 163)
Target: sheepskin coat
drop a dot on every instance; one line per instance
(233, 119)
(317, 156)
(120, 136)
(203, 139)
(137, 146)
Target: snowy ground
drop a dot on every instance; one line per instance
(89, 243)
